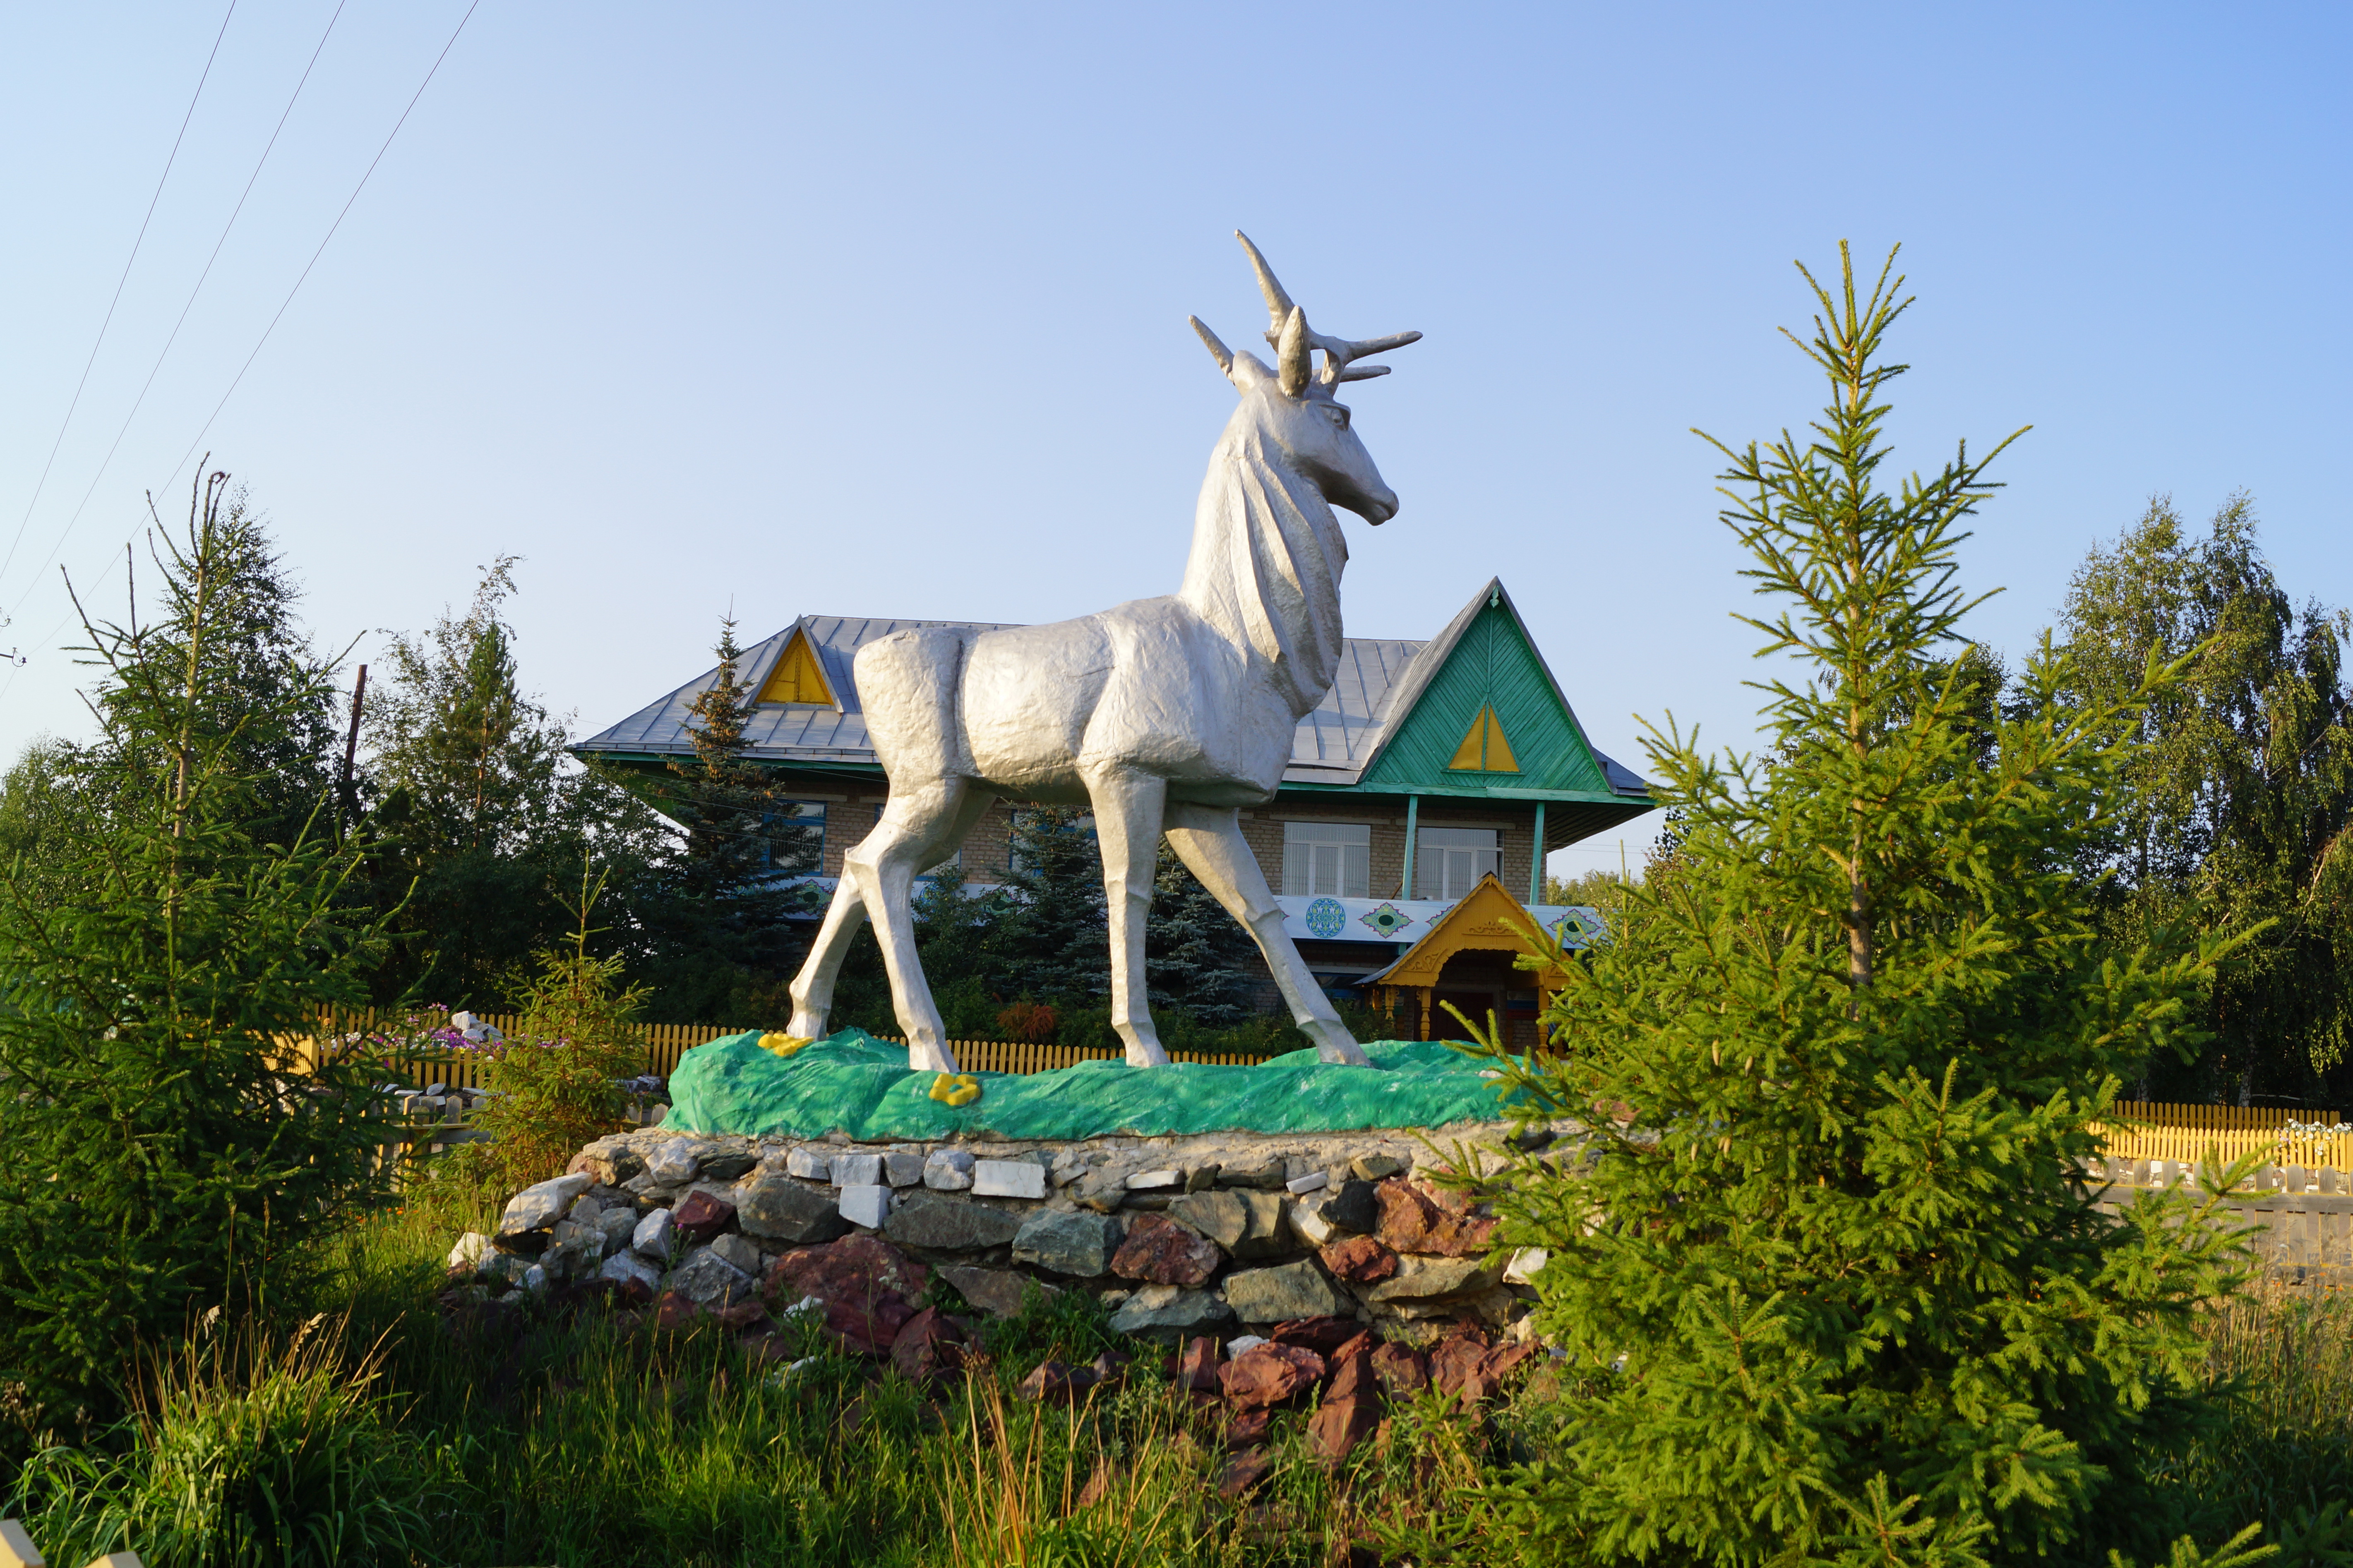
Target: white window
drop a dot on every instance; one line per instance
(1329, 859)
(1449, 861)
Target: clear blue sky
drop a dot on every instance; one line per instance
(882, 311)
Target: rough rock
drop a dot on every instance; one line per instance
(927, 1345)
(1063, 1241)
(1402, 1369)
(948, 1169)
(1356, 1206)
(700, 1216)
(1411, 1220)
(996, 1292)
(1286, 1291)
(1425, 1279)
(726, 1167)
(618, 1226)
(1201, 1178)
(1525, 1264)
(610, 1160)
(573, 1250)
(1312, 1181)
(1308, 1223)
(738, 1250)
(1245, 1428)
(1051, 1382)
(1007, 1179)
(1246, 1224)
(1268, 1175)
(471, 1249)
(1102, 1191)
(1360, 1260)
(866, 1287)
(708, 1280)
(1164, 1312)
(537, 1207)
(1161, 1180)
(1267, 1374)
(627, 1270)
(782, 1210)
(654, 1235)
(1375, 1167)
(1163, 1251)
(1243, 1474)
(1350, 1410)
(810, 1163)
(672, 1311)
(672, 1163)
(903, 1167)
(866, 1203)
(857, 1170)
(1197, 1364)
(1324, 1335)
(948, 1225)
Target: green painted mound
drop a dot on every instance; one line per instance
(851, 1082)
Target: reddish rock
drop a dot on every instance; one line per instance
(1487, 1377)
(1354, 1349)
(1107, 1369)
(927, 1345)
(1197, 1364)
(698, 1217)
(1413, 1220)
(1351, 1409)
(1360, 1259)
(1455, 1362)
(1162, 1251)
(1242, 1472)
(868, 1288)
(1246, 1428)
(1401, 1369)
(1268, 1374)
(1322, 1335)
(1053, 1383)
(743, 1314)
(767, 1348)
(635, 1291)
(672, 1311)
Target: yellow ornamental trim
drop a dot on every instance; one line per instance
(797, 678)
(785, 1045)
(1484, 748)
(955, 1089)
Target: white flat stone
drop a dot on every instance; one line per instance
(653, 1235)
(1310, 1181)
(1154, 1181)
(866, 1203)
(1522, 1270)
(1242, 1345)
(810, 1162)
(857, 1170)
(1007, 1179)
(1313, 1228)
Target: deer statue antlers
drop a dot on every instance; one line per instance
(1288, 333)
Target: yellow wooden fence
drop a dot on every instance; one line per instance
(2151, 1130)
(665, 1043)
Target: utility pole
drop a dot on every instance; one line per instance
(344, 805)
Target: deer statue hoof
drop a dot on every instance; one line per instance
(1148, 1054)
(1343, 1052)
(930, 1057)
(807, 1024)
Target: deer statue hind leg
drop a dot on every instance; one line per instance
(1208, 839)
(812, 988)
(1127, 808)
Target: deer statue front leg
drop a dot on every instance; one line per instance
(1208, 839)
(1127, 807)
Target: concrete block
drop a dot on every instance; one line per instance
(1007, 1179)
(866, 1203)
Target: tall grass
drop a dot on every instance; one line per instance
(2283, 1452)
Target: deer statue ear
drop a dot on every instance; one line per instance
(1290, 358)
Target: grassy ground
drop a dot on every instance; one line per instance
(381, 1434)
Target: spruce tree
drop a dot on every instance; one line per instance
(1825, 1269)
(162, 1151)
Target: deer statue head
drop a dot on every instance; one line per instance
(1291, 405)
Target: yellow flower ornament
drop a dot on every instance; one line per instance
(955, 1089)
(785, 1045)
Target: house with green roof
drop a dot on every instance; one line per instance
(1429, 764)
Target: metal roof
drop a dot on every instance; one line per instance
(1332, 745)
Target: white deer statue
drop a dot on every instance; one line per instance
(1161, 715)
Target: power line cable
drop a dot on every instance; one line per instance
(152, 201)
(157, 367)
(429, 75)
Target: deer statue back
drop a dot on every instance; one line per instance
(1161, 715)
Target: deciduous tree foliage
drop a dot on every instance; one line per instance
(1829, 1290)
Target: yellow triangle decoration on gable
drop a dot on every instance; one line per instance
(1484, 748)
(798, 676)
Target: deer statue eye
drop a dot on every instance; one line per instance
(1339, 414)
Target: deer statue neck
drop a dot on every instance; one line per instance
(1265, 567)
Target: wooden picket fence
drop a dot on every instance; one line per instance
(665, 1043)
(2155, 1130)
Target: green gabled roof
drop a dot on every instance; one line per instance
(1486, 663)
